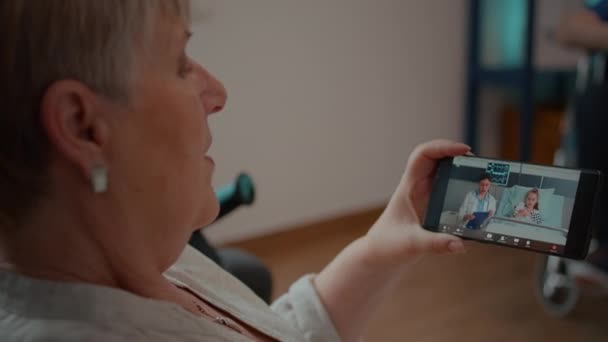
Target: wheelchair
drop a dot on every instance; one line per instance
(560, 282)
(244, 266)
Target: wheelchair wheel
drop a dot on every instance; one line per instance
(556, 289)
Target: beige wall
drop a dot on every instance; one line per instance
(327, 98)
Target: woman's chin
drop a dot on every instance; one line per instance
(208, 213)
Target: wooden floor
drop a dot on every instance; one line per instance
(487, 294)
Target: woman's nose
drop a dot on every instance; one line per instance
(213, 93)
(218, 95)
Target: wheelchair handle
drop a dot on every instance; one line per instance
(233, 195)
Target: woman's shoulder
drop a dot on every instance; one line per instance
(39, 310)
(13, 328)
(16, 329)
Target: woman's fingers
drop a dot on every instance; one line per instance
(424, 158)
(440, 243)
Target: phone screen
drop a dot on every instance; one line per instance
(516, 204)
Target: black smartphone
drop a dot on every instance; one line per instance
(545, 209)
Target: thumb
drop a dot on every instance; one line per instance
(440, 243)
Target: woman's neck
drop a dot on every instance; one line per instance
(65, 248)
(72, 262)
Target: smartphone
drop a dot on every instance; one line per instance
(539, 208)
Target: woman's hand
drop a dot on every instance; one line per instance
(397, 235)
(469, 217)
(356, 282)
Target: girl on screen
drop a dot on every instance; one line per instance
(528, 210)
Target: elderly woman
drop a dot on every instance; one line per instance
(104, 176)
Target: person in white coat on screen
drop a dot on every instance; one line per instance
(479, 200)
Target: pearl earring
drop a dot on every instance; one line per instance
(99, 179)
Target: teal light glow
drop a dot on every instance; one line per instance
(503, 24)
(592, 3)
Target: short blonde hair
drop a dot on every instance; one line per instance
(92, 41)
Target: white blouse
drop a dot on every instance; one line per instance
(40, 310)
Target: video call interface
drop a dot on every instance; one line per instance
(516, 204)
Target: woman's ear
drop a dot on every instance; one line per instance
(75, 125)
